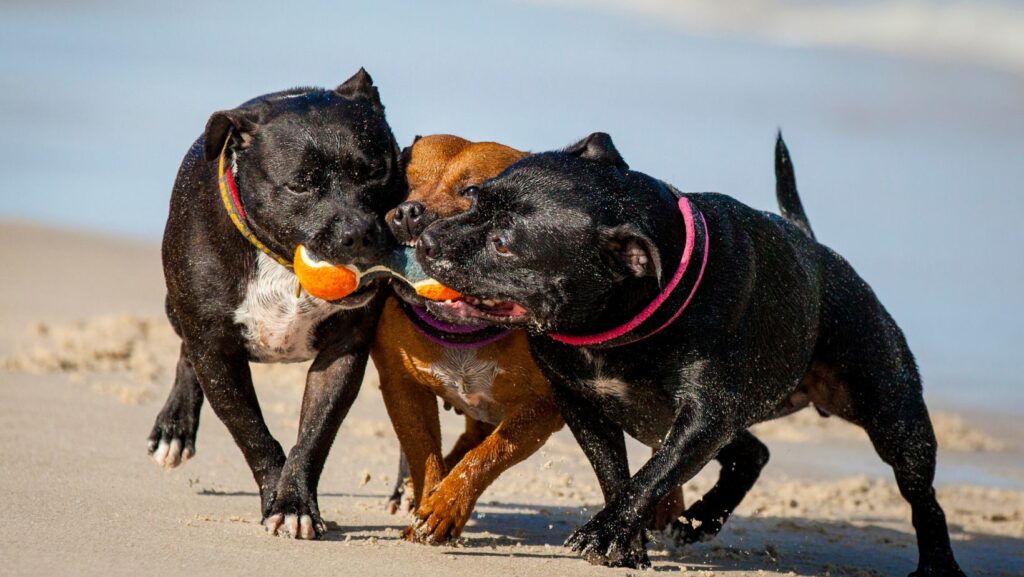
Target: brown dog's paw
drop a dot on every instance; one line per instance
(439, 519)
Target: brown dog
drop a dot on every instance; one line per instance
(487, 374)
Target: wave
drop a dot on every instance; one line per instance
(984, 32)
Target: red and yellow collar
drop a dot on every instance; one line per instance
(233, 204)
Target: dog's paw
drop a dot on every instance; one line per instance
(402, 498)
(173, 438)
(688, 531)
(440, 518)
(293, 512)
(603, 542)
(697, 525)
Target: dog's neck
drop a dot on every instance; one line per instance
(231, 199)
(638, 308)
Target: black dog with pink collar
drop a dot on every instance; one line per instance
(573, 244)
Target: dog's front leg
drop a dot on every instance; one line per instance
(694, 438)
(227, 383)
(444, 512)
(602, 441)
(604, 444)
(332, 384)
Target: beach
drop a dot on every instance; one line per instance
(904, 119)
(82, 377)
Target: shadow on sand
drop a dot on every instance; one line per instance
(864, 547)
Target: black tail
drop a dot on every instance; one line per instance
(785, 189)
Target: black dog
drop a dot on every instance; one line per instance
(304, 166)
(681, 320)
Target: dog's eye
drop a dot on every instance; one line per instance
(470, 191)
(296, 188)
(500, 245)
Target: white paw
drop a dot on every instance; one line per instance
(294, 526)
(170, 454)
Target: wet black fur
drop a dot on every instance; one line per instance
(773, 304)
(317, 167)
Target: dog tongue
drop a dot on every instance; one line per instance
(408, 269)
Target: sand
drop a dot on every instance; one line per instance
(86, 359)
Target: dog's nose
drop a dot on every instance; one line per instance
(428, 247)
(409, 220)
(357, 235)
(409, 212)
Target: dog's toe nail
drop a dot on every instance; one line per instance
(291, 525)
(160, 453)
(306, 527)
(272, 524)
(173, 456)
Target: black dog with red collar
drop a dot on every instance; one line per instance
(305, 166)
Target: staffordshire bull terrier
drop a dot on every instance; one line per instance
(682, 320)
(484, 373)
(307, 166)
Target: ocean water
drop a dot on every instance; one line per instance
(912, 168)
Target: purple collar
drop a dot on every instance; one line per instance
(453, 336)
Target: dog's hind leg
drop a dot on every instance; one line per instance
(671, 506)
(173, 438)
(865, 373)
(401, 493)
(742, 460)
(890, 408)
(413, 411)
(903, 437)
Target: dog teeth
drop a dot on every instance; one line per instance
(489, 302)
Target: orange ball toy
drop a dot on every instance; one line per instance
(323, 279)
(435, 291)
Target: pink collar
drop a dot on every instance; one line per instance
(604, 337)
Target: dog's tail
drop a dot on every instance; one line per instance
(785, 189)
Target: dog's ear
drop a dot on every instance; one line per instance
(598, 146)
(237, 123)
(406, 154)
(360, 84)
(627, 249)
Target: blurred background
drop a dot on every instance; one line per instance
(905, 119)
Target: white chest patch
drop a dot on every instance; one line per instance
(277, 325)
(468, 382)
